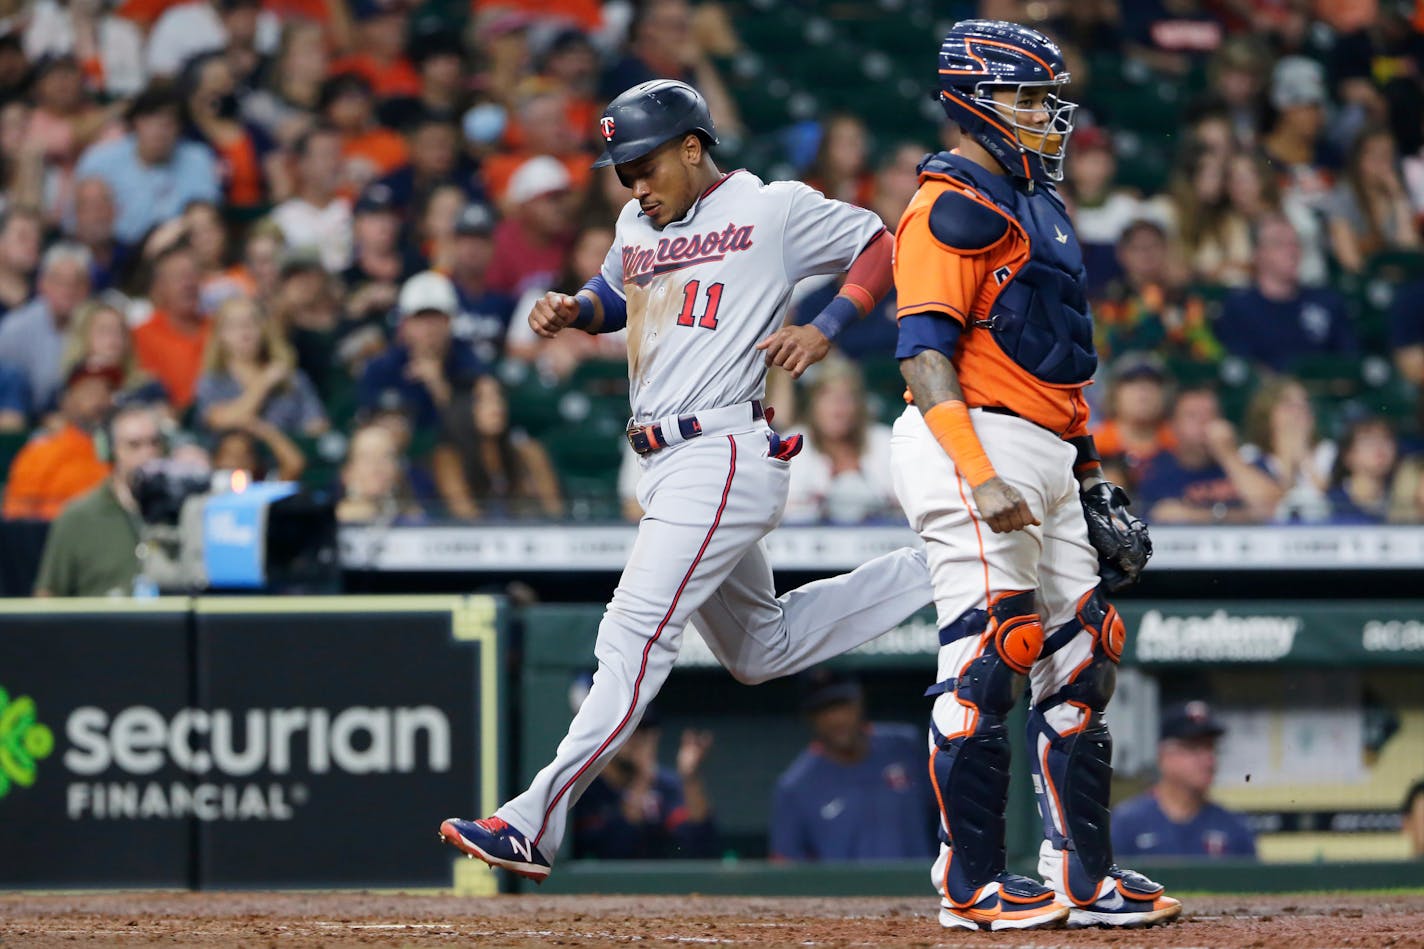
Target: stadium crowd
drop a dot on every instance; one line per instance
(305, 234)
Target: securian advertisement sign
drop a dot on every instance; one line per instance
(302, 742)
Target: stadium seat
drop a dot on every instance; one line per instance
(587, 458)
(1330, 375)
(1193, 372)
(534, 405)
(601, 377)
(322, 471)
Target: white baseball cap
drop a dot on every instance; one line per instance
(538, 176)
(1297, 80)
(425, 292)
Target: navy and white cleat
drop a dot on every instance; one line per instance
(1126, 899)
(1008, 902)
(497, 844)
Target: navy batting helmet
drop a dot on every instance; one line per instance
(649, 114)
(978, 56)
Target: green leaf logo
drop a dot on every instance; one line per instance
(24, 742)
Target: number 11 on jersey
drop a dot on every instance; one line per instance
(708, 320)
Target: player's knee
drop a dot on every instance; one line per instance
(746, 675)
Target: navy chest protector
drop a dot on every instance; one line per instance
(1040, 318)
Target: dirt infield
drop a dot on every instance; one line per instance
(361, 919)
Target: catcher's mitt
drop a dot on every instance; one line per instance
(1119, 538)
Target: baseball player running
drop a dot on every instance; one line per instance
(700, 272)
(996, 344)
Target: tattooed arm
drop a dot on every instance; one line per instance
(934, 385)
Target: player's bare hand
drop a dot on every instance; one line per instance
(551, 313)
(1002, 507)
(692, 751)
(795, 348)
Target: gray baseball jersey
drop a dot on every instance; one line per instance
(701, 294)
(703, 291)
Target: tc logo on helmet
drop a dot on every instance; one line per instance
(605, 125)
(23, 742)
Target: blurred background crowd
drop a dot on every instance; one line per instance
(299, 238)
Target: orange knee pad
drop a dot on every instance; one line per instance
(1016, 629)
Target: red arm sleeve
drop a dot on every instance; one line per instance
(872, 274)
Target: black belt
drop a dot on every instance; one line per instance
(1005, 410)
(999, 410)
(646, 439)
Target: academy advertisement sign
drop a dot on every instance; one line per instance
(244, 742)
(1299, 632)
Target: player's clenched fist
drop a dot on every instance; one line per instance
(552, 313)
(1002, 507)
(795, 348)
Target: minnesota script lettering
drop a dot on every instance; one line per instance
(640, 263)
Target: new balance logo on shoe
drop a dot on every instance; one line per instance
(526, 849)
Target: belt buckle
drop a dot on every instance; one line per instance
(638, 438)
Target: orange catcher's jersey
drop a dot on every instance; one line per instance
(1005, 265)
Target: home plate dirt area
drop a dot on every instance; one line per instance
(365, 919)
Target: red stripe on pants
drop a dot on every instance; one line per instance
(643, 667)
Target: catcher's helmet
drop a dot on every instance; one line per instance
(649, 114)
(979, 55)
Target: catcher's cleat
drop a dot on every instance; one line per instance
(1009, 901)
(1125, 899)
(497, 844)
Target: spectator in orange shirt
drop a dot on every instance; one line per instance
(544, 129)
(170, 344)
(1136, 430)
(61, 463)
(380, 36)
(368, 149)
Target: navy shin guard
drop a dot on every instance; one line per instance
(1072, 749)
(970, 761)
